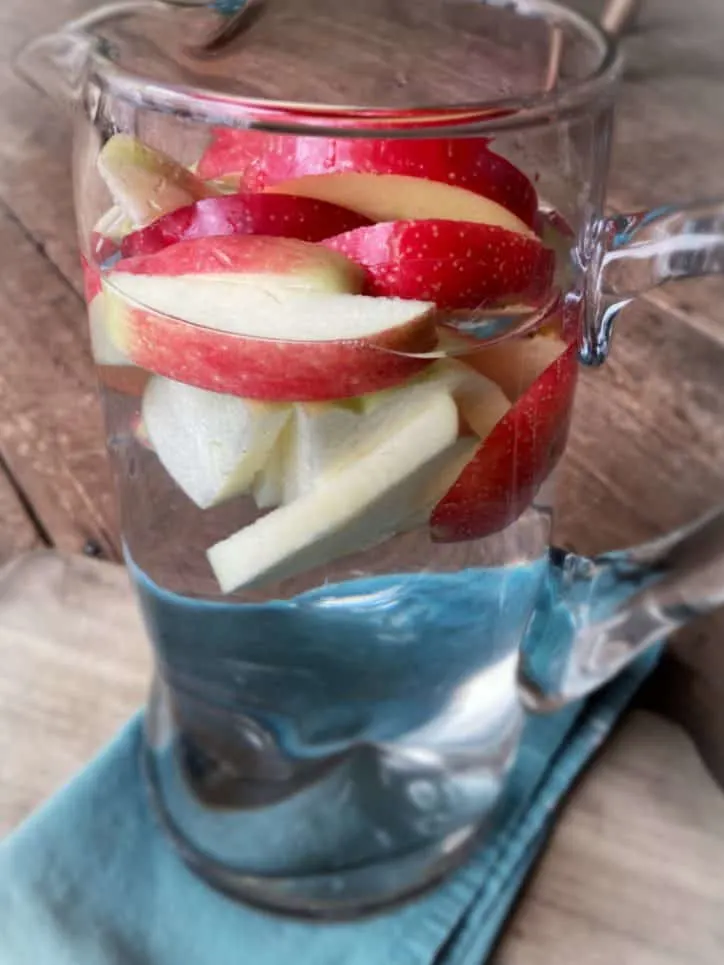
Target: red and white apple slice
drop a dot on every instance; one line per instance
(397, 197)
(263, 318)
(273, 215)
(501, 481)
(211, 445)
(146, 183)
(371, 496)
(456, 264)
(116, 371)
(256, 160)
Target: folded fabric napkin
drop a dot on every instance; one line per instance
(90, 879)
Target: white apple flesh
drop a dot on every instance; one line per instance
(211, 445)
(481, 402)
(396, 197)
(321, 436)
(376, 492)
(146, 183)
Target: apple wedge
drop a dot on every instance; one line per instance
(373, 495)
(211, 445)
(263, 318)
(256, 160)
(144, 182)
(396, 197)
(268, 486)
(481, 403)
(115, 370)
(516, 364)
(249, 261)
(456, 264)
(501, 481)
(323, 435)
(273, 215)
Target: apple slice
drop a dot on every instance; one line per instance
(268, 486)
(373, 495)
(249, 261)
(396, 197)
(482, 403)
(273, 215)
(509, 467)
(456, 264)
(256, 160)
(115, 370)
(211, 445)
(262, 318)
(516, 364)
(144, 182)
(322, 436)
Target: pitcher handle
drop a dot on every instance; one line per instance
(599, 615)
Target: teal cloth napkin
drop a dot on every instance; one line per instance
(89, 879)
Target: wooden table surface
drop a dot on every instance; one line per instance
(647, 449)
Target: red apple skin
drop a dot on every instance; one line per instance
(456, 264)
(232, 254)
(273, 370)
(256, 160)
(273, 215)
(501, 480)
(91, 280)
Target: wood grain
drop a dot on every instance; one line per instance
(75, 666)
(633, 872)
(50, 430)
(18, 531)
(629, 876)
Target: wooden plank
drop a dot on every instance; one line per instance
(633, 873)
(35, 147)
(50, 433)
(630, 874)
(18, 532)
(75, 665)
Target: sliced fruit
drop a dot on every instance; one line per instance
(516, 364)
(249, 261)
(274, 215)
(268, 486)
(216, 314)
(105, 351)
(116, 371)
(509, 467)
(482, 403)
(107, 235)
(321, 436)
(456, 264)
(393, 197)
(144, 182)
(370, 497)
(92, 285)
(314, 346)
(255, 160)
(211, 445)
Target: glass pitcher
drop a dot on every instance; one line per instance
(341, 264)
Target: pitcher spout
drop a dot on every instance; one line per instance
(55, 64)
